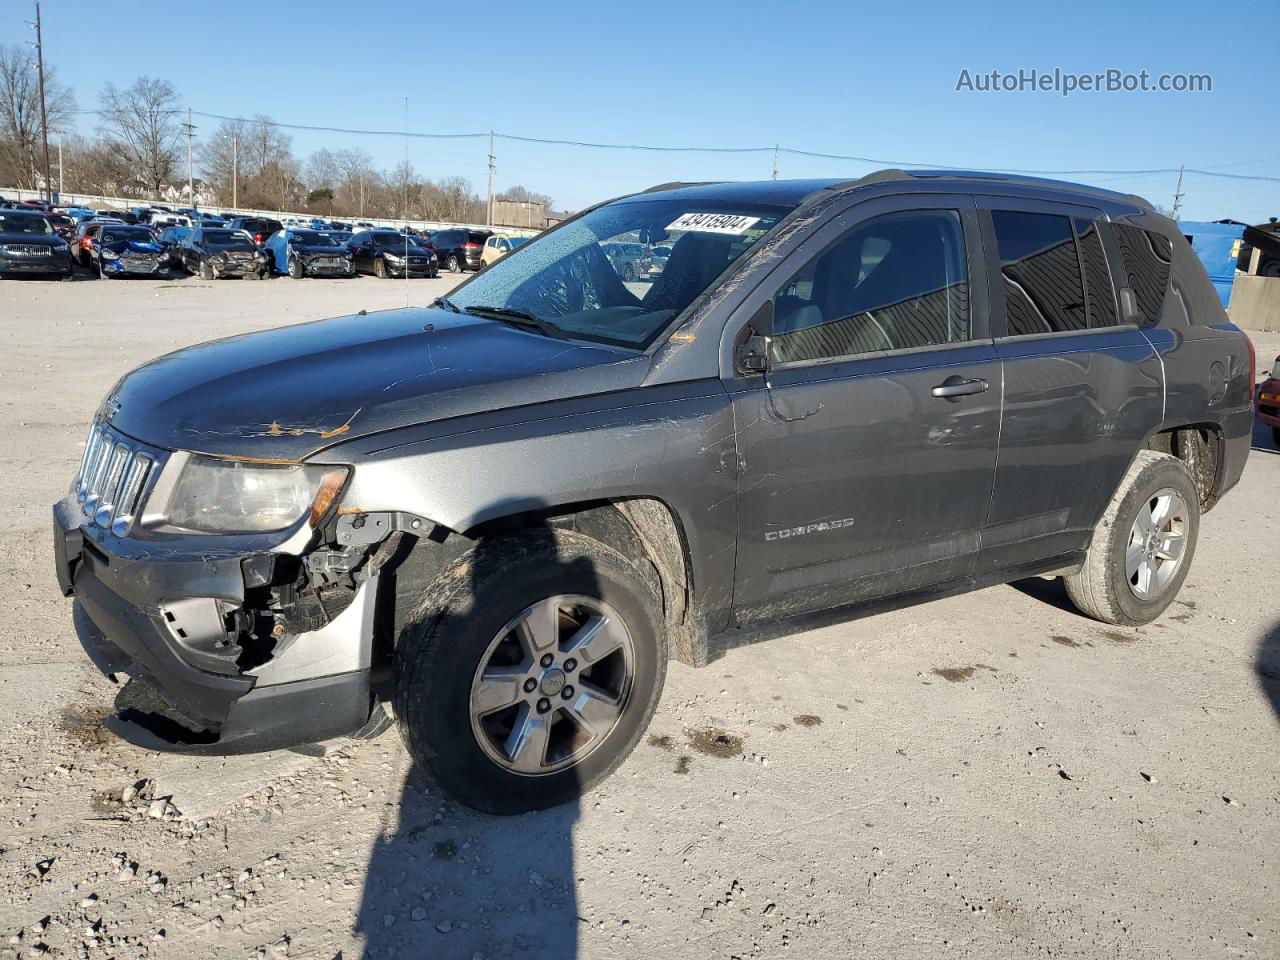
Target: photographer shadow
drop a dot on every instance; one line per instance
(448, 881)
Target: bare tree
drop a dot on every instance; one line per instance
(323, 172)
(20, 115)
(141, 130)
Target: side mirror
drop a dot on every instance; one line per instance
(752, 355)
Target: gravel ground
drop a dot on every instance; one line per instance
(986, 776)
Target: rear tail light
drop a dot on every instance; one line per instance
(472, 246)
(257, 238)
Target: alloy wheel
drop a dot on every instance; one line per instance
(1157, 541)
(552, 685)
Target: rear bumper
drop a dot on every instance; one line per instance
(119, 621)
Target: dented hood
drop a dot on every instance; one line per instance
(285, 394)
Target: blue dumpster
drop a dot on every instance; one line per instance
(1217, 245)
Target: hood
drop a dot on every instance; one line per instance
(243, 246)
(317, 249)
(133, 246)
(288, 393)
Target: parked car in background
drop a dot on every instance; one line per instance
(122, 250)
(339, 225)
(30, 245)
(630, 260)
(308, 253)
(497, 247)
(172, 239)
(363, 225)
(217, 252)
(317, 223)
(658, 259)
(62, 224)
(124, 216)
(1268, 402)
(459, 249)
(385, 253)
(80, 213)
(86, 236)
(341, 236)
(259, 228)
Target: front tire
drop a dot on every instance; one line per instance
(206, 270)
(295, 269)
(1142, 547)
(380, 269)
(1275, 436)
(529, 670)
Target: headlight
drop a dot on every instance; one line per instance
(394, 257)
(225, 496)
(4, 248)
(108, 254)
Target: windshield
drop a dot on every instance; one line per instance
(137, 234)
(221, 238)
(394, 240)
(24, 223)
(575, 279)
(313, 239)
(516, 241)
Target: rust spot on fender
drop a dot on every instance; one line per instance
(681, 337)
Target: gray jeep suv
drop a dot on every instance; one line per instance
(500, 516)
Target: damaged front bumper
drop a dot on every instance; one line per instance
(208, 670)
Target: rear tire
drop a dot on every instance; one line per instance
(453, 265)
(1275, 436)
(1106, 586)
(469, 625)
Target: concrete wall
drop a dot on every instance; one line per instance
(1255, 303)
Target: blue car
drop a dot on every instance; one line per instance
(308, 253)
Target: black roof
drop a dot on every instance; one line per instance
(792, 193)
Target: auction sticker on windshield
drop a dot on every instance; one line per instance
(713, 223)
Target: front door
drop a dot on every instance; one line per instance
(868, 451)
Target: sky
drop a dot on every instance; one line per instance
(875, 81)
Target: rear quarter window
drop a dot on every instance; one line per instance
(1147, 258)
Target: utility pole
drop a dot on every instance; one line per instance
(235, 171)
(191, 189)
(59, 164)
(44, 117)
(488, 221)
(1177, 195)
(775, 161)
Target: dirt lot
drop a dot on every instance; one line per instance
(986, 776)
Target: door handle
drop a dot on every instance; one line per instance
(954, 387)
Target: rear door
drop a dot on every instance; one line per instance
(1082, 390)
(867, 453)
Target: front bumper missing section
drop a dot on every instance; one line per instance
(171, 704)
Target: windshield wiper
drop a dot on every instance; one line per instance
(521, 318)
(446, 303)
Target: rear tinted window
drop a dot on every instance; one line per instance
(477, 237)
(1147, 257)
(1097, 278)
(1043, 292)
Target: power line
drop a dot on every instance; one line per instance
(775, 149)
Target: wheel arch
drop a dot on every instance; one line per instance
(638, 527)
(1200, 445)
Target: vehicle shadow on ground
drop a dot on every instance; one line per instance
(447, 881)
(1263, 441)
(1267, 666)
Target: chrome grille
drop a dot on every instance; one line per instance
(113, 479)
(29, 250)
